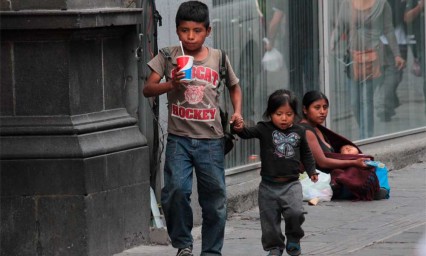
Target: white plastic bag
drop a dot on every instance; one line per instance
(321, 189)
(272, 60)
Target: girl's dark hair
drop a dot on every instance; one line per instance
(312, 96)
(279, 98)
(193, 11)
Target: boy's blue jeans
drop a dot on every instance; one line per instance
(206, 157)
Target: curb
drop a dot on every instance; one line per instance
(399, 152)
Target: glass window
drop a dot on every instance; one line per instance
(310, 45)
(374, 104)
(238, 30)
(257, 36)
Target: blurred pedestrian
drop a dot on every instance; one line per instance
(364, 21)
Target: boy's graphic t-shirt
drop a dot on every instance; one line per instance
(193, 109)
(281, 151)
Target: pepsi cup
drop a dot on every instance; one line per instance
(185, 64)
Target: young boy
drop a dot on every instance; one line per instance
(195, 136)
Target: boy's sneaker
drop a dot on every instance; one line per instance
(275, 252)
(293, 249)
(185, 252)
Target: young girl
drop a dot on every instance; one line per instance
(283, 148)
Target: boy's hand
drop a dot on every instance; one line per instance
(176, 81)
(314, 178)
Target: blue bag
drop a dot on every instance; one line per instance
(382, 174)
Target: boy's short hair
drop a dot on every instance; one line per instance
(193, 11)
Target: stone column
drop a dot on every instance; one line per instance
(74, 165)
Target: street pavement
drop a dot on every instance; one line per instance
(391, 227)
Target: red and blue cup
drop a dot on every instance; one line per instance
(185, 63)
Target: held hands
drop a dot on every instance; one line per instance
(237, 122)
(399, 62)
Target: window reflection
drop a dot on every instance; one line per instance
(238, 29)
(248, 29)
(389, 103)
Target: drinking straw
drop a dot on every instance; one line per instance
(181, 46)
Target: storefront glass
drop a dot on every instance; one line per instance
(307, 56)
(397, 96)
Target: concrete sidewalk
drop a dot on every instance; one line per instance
(385, 227)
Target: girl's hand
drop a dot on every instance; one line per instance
(314, 178)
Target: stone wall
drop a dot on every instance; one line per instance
(74, 173)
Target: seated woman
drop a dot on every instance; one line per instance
(351, 177)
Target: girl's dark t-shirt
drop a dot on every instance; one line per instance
(282, 151)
